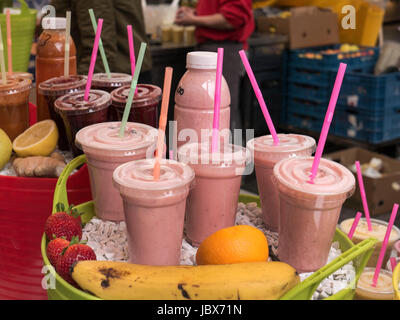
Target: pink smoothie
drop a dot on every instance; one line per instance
(309, 213)
(213, 201)
(266, 155)
(105, 151)
(194, 97)
(154, 209)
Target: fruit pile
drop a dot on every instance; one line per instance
(63, 231)
(34, 151)
(345, 51)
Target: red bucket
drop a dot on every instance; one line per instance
(25, 204)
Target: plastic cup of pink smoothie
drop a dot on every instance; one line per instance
(105, 151)
(154, 209)
(266, 155)
(213, 201)
(309, 213)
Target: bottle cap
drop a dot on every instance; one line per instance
(201, 60)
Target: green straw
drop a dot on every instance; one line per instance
(101, 48)
(2, 62)
(133, 88)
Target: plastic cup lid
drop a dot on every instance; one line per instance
(15, 85)
(116, 79)
(146, 94)
(332, 177)
(74, 103)
(228, 155)
(139, 175)
(56, 84)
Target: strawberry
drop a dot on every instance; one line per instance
(55, 248)
(75, 252)
(63, 224)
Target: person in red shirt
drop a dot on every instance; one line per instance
(227, 24)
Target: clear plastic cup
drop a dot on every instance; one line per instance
(213, 201)
(55, 88)
(382, 291)
(378, 231)
(14, 106)
(145, 104)
(105, 151)
(266, 155)
(309, 213)
(78, 113)
(154, 209)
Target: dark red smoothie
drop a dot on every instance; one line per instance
(78, 113)
(55, 88)
(145, 104)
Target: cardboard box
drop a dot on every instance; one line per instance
(306, 27)
(382, 192)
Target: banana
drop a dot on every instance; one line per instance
(126, 281)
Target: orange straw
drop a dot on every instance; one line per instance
(9, 42)
(163, 121)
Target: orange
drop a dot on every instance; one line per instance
(236, 244)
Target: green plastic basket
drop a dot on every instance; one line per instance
(359, 253)
(22, 33)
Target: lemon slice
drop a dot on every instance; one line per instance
(38, 140)
(5, 148)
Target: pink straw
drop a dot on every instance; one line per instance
(217, 100)
(354, 225)
(393, 263)
(93, 59)
(131, 49)
(384, 244)
(363, 196)
(327, 120)
(259, 96)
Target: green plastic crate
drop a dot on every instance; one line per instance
(22, 34)
(359, 253)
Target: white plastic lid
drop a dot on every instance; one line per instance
(201, 60)
(54, 23)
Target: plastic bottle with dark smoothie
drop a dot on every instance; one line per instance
(145, 104)
(14, 106)
(54, 88)
(50, 58)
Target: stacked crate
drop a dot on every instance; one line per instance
(368, 108)
(310, 75)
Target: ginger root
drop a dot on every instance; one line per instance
(50, 167)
